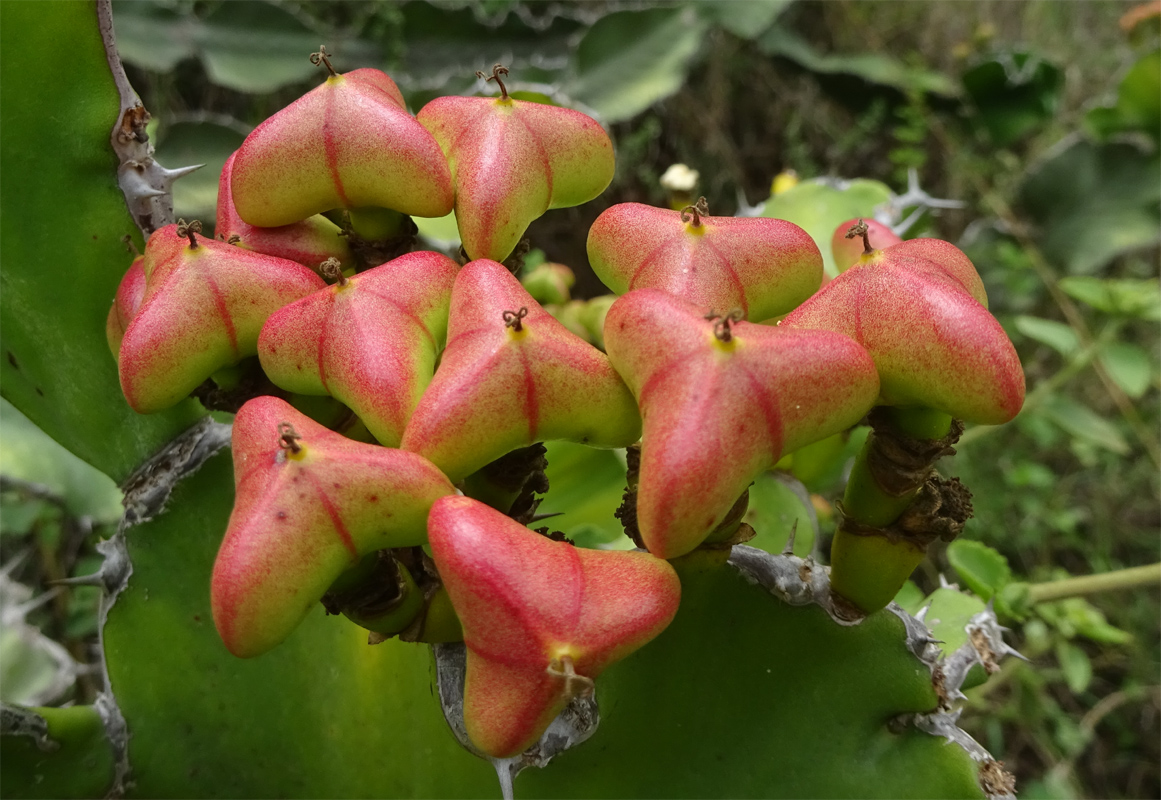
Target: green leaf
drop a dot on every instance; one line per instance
(443, 46)
(1093, 202)
(209, 143)
(1013, 94)
(910, 598)
(259, 47)
(819, 207)
(1075, 665)
(983, 569)
(775, 509)
(631, 59)
(1060, 337)
(1090, 622)
(1130, 367)
(1124, 297)
(871, 67)
(1138, 104)
(587, 485)
(245, 45)
(152, 36)
(1083, 423)
(61, 255)
(28, 454)
(744, 18)
(948, 613)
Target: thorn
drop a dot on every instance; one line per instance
(921, 614)
(538, 517)
(943, 584)
(171, 175)
(788, 550)
(92, 579)
(1012, 651)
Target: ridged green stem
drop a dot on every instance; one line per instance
(865, 501)
(866, 568)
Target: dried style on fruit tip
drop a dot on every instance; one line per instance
(348, 143)
(370, 341)
(918, 308)
(848, 246)
(205, 302)
(309, 504)
(512, 375)
(309, 242)
(512, 160)
(765, 267)
(126, 304)
(722, 400)
(541, 618)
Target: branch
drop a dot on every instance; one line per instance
(1092, 584)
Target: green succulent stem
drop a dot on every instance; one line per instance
(1130, 578)
(870, 557)
(866, 499)
(921, 423)
(869, 570)
(375, 224)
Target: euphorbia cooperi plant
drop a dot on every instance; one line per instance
(719, 399)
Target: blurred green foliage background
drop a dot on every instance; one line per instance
(1041, 119)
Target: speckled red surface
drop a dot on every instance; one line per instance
(715, 415)
(300, 521)
(525, 601)
(202, 310)
(498, 389)
(348, 143)
(917, 308)
(765, 267)
(371, 343)
(513, 160)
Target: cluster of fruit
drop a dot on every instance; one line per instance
(722, 354)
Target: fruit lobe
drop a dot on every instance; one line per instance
(309, 242)
(370, 341)
(933, 343)
(202, 310)
(347, 143)
(126, 303)
(847, 251)
(512, 160)
(302, 518)
(765, 267)
(527, 603)
(500, 386)
(718, 413)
